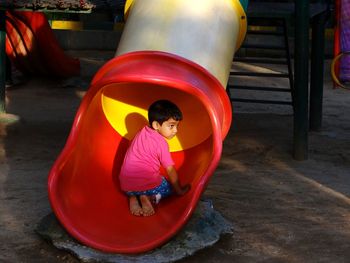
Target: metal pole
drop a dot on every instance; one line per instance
(301, 64)
(2, 60)
(317, 71)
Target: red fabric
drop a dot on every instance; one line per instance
(33, 48)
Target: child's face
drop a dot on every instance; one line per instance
(168, 129)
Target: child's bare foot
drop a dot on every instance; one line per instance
(147, 208)
(134, 206)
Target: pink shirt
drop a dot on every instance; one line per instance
(140, 170)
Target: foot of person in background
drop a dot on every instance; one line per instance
(8, 84)
(17, 79)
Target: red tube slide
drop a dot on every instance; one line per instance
(83, 184)
(33, 48)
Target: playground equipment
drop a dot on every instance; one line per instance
(33, 48)
(178, 50)
(340, 67)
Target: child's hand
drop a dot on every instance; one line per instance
(183, 190)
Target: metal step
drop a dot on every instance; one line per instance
(264, 32)
(260, 46)
(262, 101)
(260, 60)
(258, 88)
(259, 74)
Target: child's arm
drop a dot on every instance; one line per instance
(174, 180)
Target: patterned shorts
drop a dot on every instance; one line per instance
(159, 192)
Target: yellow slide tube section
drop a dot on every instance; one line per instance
(207, 32)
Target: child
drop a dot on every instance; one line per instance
(140, 177)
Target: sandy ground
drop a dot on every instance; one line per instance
(283, 210)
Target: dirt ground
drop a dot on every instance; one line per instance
(282, 210)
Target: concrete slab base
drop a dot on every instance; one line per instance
(203, 230)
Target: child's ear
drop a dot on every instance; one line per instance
(155, 125)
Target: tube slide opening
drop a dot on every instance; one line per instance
(93, 203)
(83, 184)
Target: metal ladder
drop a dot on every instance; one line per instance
(276, 27)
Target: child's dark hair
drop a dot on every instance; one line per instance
(163, 110)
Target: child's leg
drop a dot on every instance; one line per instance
(147, 197)
(162, 191)
(147, 208)
(134, 206)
